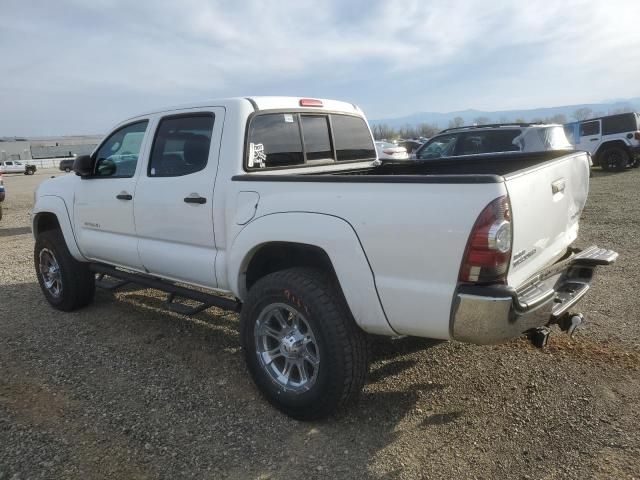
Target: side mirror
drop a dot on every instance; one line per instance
(83, 165)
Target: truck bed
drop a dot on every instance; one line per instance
(485, 168)
(485, 164)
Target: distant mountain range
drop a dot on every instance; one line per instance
(469, 116)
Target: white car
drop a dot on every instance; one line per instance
(391, 151)
(492, 139)
(613, 141)
(287, 216)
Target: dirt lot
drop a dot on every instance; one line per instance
(124, 389)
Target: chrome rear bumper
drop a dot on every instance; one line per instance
(497, 313)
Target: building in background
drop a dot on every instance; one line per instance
(14, 148)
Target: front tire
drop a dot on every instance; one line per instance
(67, 284)
(614, 159)
(302, 347)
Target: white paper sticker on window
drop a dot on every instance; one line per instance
(288, 118)
(257, 155)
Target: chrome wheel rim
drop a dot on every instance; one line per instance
(50, 272)
(286, 347)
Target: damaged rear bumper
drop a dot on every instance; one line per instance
(496, 313)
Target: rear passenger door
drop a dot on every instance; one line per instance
(174, 197)
(590, 135)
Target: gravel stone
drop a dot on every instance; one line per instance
(126, 389)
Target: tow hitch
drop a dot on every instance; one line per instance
(568, 323)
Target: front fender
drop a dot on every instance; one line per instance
(56, 205)
(339, 241)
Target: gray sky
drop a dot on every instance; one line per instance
(80, 66)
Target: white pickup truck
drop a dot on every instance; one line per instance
(278, 208)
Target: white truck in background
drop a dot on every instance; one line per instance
(279, 208)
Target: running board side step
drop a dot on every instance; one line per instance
(593, 256)
(206, 300)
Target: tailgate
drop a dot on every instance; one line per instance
(546, 202)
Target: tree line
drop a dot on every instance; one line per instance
(428, 130)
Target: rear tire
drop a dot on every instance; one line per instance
(614, 159)
(298, 317)
(67, 284)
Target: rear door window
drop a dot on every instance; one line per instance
(181, 145)
(487, 141)
(590, 128)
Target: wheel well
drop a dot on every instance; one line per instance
(44, 222)
(605, 146)
(276, 256)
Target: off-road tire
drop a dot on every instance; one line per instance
(78, 282)
(614, 159)
(343, 347)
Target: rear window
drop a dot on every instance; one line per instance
(278, 140)
(352, 138)
(626, 122)
(317, 141)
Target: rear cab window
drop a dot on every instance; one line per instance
(298, 139)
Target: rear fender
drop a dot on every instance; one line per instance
(339, 241)
(615, 143)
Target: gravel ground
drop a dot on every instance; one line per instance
(124, 389)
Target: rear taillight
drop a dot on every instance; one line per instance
(637, 135)
(486, 259)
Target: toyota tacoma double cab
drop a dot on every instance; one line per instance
(278, 208)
